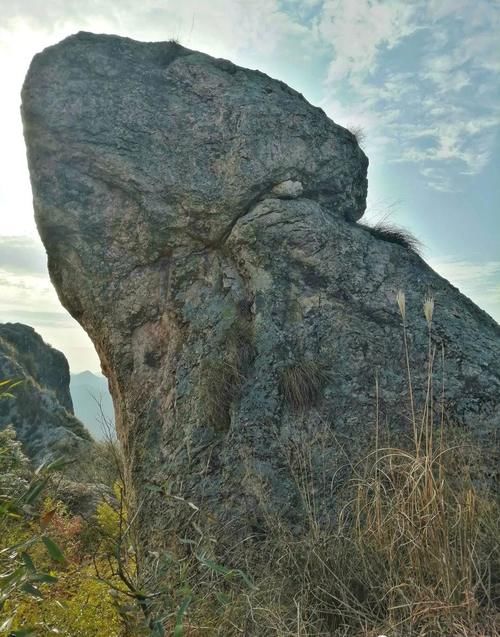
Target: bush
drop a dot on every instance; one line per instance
(47, 574)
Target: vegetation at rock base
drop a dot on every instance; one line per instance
(54, 563)
(415, 551)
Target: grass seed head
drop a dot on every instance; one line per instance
(401, 301)
(429, 309)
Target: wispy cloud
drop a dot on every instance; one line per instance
(31, 299)
(358, 31)
(478, 280)
(426, 73)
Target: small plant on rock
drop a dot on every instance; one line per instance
(393, 234)
(303, 382)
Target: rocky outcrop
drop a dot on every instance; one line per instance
(46, 365)
(41, 410)
(199, 220)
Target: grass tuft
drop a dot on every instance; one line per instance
(359, 134)
(302, 383)
(221, 379)
(394, 234)
(220, 382)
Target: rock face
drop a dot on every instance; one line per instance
(41, 412)
(199, 220)
(46, 365)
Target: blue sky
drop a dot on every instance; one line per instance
(420, 78)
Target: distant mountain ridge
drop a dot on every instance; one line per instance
(92, 401)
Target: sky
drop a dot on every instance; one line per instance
(419, 79)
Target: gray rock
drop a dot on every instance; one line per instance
(288, 189)
(241, 331)
(40, 410)
(46, 365)
(82, 498)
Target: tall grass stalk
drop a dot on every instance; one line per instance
(401, 301)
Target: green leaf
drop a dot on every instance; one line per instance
(53, 550)
(222, 598)
(179, 623)
(28, 562)
(16, 383)
(213, 566)
(31, 590)
(228, 572)
(11, 509)
(44, 578)
(23, 632)
(15, 576)
(10, 383)
(57, 464)
(34, 491)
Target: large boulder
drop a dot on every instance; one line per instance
(40, 411)
(199, 220)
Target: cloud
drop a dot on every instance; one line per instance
(56, 320)
(22, 255)
(23, 292)
(467, 272)
(31, 299)
(478, 280)
(358, 31)
(221, 27)
(409, 71)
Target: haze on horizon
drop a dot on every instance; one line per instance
(421, 79)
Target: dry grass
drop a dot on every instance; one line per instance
(220, 379)
(415, 551)
(393, 234)
(360, 135)
(302, 383)
(220, 382)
